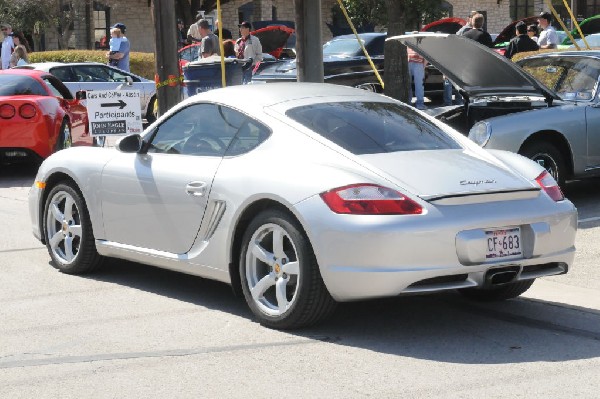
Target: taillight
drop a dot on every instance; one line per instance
(7, 111)
(550, 186)
(369, 199)
(27, 111)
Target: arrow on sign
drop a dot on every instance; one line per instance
(121, 104)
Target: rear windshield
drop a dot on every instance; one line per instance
(13, 85)
(372, 127)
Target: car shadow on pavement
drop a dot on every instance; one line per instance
(440, 327)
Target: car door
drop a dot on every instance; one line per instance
(156, 199)
(103, 77)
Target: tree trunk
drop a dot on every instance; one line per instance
(396, 77)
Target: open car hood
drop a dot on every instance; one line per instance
(273, 38)
(477, 70)
(445, 25)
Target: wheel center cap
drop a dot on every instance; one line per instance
(277, 268)
(65, 227)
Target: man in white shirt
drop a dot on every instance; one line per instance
(548, 37)
(8, 45)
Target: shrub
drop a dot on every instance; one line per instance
(141, 64)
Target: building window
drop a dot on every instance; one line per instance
(520, 9)
(101, 18)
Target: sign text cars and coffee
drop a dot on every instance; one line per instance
(114, 112)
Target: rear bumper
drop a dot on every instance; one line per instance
(29, 137)
(364, 257)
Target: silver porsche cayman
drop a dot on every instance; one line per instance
(303, 195)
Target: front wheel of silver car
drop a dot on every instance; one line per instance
(68, 231)
(499, 293)
(549, 157)
(280, 275)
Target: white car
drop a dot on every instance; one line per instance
(95, 76)
(301, 195)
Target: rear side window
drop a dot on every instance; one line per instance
(14, 85)
(372, 127)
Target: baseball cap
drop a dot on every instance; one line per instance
(546, 15)
(120, 26)
(245, 24)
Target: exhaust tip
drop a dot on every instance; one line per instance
(501, 276)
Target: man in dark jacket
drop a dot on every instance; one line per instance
(521, 42)
(477, 33)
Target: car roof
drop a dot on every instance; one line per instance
(265, 95)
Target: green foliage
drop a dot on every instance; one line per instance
(365, 12)
(141, 64)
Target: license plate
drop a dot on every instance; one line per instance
(503, 243)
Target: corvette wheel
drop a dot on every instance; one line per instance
(68, 231)
(500, 293)
(280, 275)
(549, 157)
(64, 139)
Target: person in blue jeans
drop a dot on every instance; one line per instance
(416, 68)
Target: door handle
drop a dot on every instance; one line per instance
(196, 188)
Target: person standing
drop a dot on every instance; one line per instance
(532, 32)
(416, 69)
(122, 56)
(114, 44)
(248, 47)
(477, 33)
(548, 37)
(8, 45)
(20, 54)
(521, 42)
(181, 39)
(193, 33)
(209, 43)
(469, 25)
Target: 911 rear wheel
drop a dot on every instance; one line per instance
(280, 276)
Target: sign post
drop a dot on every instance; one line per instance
(114, 112)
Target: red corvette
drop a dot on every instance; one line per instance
(38, 116)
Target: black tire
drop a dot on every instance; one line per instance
(500, 293)
(73, 250)
(306, 300)
(548, 156)
(64, 139)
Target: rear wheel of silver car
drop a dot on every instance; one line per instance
(499, 293)
(549, 157)
(68, 231)
(280, 275)
(64, 140)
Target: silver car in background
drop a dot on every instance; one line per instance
(301, 195)
(95, 76)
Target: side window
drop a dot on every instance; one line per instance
(91, 74)
(115, 75)
(208, 130)
(63, 73)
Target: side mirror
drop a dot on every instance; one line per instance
(129, 80)
(81, 95)
(129, 144)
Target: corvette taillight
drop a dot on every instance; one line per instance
(7, 111)
(550, 186)
(27, 111)
(370, 199)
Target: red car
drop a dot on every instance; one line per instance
(38, 116)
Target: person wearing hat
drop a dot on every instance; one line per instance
(521, 42)
(548, 37)
(248, 47)
(8, 45)
(122, 55)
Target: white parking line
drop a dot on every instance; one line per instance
(589, 219)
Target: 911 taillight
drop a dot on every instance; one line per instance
(27, 111)
(550, 186)
(369, 199)
(7, 111)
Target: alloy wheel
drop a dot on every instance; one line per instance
(63, 227)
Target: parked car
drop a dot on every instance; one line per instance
(588, 26)
(38, 116)
(544, 108)
(307, 195)
(344, 63)
(95, 76)
(593, 40)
